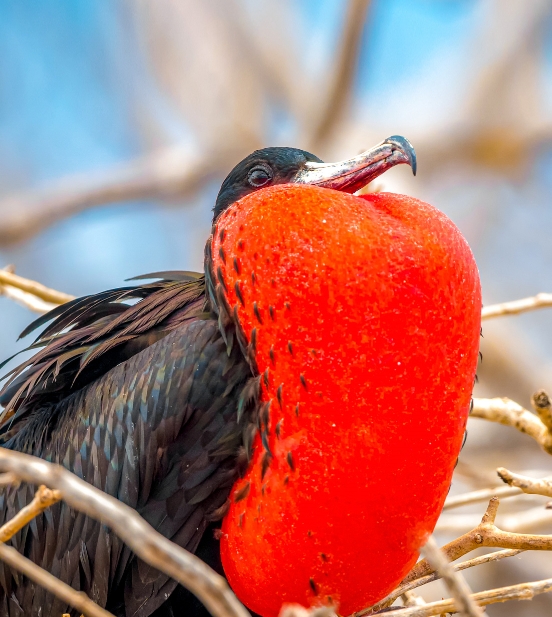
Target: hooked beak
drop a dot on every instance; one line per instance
(351, 175)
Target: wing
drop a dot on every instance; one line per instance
(160, 432)
(136, 391)
(91, 335)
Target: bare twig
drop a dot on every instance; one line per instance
(541, 300)
(456, 501)
(341, 82)
(165, 174)
(38, 290)
(424, 580)
(526, 484)
(409, 598)
(8, 479)
(485, 534)
(43, 499)
(77, 599)
(520, 522)
(523, 591)
(507, 412)
(147, 543)
(454, 581)
(24, 298)
(296, 610)
(543, 406)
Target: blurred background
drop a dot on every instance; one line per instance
(119, 120)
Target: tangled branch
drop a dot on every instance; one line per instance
(424, 580)
(144, 540)
(454, 581)
(523, 591)
(486, 534)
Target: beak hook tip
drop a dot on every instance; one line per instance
(406, 148)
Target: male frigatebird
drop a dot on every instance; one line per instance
(173, 396)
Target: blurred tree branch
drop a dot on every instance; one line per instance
(528, 485)
(338, 94)
(166, 174)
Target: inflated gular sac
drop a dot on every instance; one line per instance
(363, 315)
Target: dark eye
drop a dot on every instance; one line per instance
(259, 176)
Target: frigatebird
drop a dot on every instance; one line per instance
(149, 392)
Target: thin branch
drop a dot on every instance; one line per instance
(520, 522)
(454, 581)
(166, 174)
(515, 307)
(341, 82)
(144, 540)
(296, 610)
(507, 412)
(485, 534)
(526, 484)
(77, 599)
(523, 591)
(26, 299)
(409, 598)
(456, 501)
(429, 578)
(43, 499)
(38, 290)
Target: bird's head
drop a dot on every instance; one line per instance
(360, 314)
(271, 166)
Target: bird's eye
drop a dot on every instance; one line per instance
(259, 176)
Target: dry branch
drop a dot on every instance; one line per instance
(424, 580)
(486, 534)
(526, 484)
(43, 499)
(519, 522)
(341, 82)
(165, 174)
(541, 300)
(454, 581)
(507, 412)
(147, 543)
(456, 501)
(32, 287)
(523, 591)
(77, 599)
(25, 298)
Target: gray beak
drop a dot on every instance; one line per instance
(351, 175)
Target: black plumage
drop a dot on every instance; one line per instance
(142, 401)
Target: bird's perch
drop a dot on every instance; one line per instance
(147, 543)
